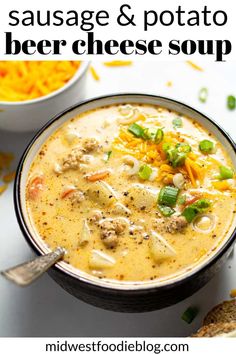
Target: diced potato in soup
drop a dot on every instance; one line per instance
(142, 193)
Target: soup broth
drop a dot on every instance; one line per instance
(133, 192)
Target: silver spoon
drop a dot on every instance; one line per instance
(24, 274)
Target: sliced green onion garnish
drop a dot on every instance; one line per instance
(168, 196)
(182, 199)
(190, 314)
(175, 157)
(136, 130)
(179, 159)
(177, 154)
(231, 102)
(145, 172)
(203, 95)
(152, 133)
(149, 133)
(226, 172)
(206, 146)
(194, 209)
(189, 213)
(107, 156)
(183, 147)
(177, 122)
(171, 153)
(166, 147)
(165, 210)
(159, 136)
(202, 204)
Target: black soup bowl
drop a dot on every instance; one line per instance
(107, 293)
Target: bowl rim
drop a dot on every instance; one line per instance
(78, 74)
(196, 271)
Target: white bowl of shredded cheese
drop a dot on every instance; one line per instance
(32, 114)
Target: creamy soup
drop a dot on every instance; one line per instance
(132, 192)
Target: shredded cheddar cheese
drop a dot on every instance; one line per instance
(221, 185)
(152, 153)
(3, 188)
(146, 151)
(233, 293)
(5, 160)
(169, 84)
(9, 177)
(94, 73)
(190, 172)
(26, 80)
(118, 63)
(5, 176)
(194, 66)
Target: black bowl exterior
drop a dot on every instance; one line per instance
(137, 300)
(126, 300)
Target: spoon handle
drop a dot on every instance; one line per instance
(24, 274)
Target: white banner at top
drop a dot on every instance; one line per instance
(110, 30)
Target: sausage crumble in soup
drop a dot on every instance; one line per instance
(133, 192)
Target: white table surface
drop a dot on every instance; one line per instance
(44, 309)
